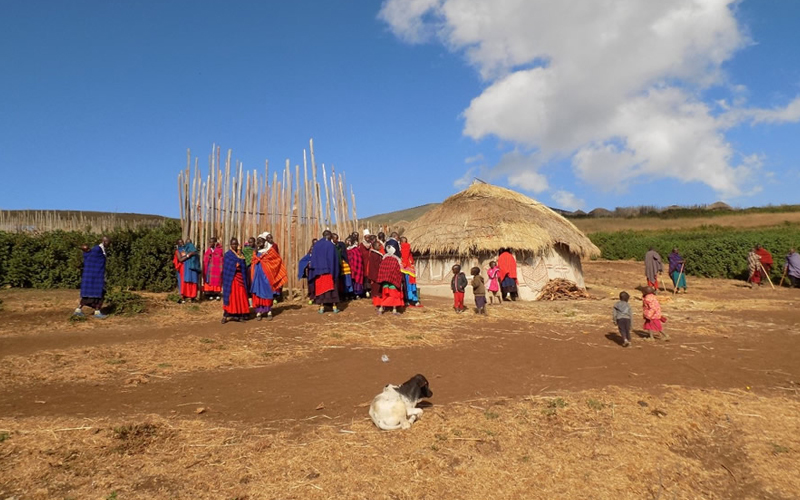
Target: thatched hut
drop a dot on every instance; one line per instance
(470, 228)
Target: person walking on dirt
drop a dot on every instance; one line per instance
(766, 262)
(753, 268)
(677, 270)
(652, 268)
(621, 316)
(653, 320)
(792, 267)
(93, 279)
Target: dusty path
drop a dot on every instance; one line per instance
(513, 360)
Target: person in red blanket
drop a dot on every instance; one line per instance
(212, 270)
(390, 278)
(766, 262)
(508, 273)
(356, 263)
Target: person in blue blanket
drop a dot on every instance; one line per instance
(323, 269)
(93, 279)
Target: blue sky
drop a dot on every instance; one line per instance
(100, 100)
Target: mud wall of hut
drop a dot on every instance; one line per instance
(534, 271)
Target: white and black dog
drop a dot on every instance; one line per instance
(396, 407)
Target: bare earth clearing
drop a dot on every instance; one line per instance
(536, 400)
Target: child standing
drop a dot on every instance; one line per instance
(478, 290)
(622, 318)
(458, 284)
(653, 321)
(494, 283)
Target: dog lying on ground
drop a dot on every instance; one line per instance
(396, 407)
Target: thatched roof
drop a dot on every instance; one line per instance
(486, 218)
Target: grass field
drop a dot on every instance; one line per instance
(738, 221)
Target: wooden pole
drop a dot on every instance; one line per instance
(783, 277)
(766, 274)
(675, 286)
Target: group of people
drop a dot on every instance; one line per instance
(502, 276)
(654, 267)
(760, 263)
(377, 268)
(759, 266)
(251, 276)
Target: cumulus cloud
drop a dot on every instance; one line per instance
(567, 200)
(614, 85)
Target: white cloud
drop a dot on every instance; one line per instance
(567, 200)
(521, 170)
(615, 85)
(472, 159)
(466, 179)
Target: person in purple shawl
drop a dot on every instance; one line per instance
(323, 271)
(93, 279)
(677, 271)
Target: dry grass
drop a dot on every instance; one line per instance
(140, 361)
(292, 335)
(485, 218)
(739, 221)
(595, 444)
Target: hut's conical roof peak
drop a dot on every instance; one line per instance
(485, 218)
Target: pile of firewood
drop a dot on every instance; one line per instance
(561, 289)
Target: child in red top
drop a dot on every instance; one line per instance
(653, 320)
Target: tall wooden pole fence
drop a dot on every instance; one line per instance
(229, 201)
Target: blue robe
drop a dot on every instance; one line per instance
(191, 266)
(260, 285)
(324, 260)
(301, 266)
(93, 278)
(229, 271)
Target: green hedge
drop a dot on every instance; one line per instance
(711, 251)
(139, 259)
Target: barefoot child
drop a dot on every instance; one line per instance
(458, 284)
(494, 283)
(478, 290)
(653, 321)
(622, 318)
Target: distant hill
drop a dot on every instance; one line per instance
(408, 214)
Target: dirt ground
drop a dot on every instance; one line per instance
(534, 400)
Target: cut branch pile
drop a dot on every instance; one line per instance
(561, 289)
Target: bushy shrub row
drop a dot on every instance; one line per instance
(712, 251)
(139, 259)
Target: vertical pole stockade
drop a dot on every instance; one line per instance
(231, 202)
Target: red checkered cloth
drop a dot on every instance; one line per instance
(390, 272)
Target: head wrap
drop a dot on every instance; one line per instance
(264, 235)
(366, 232)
